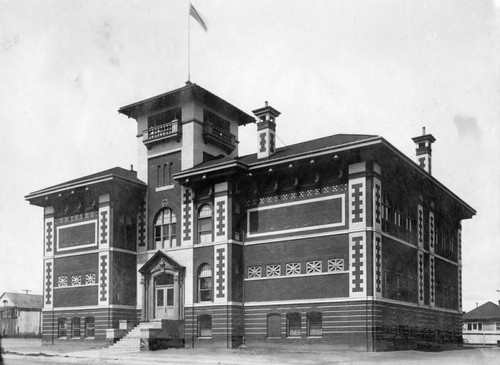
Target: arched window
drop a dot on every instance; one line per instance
(314, 324)
(165, 229)
(274, 325)
(204, 325)
(205, 283)
(293, 324)
(61, 327)
(205, 225)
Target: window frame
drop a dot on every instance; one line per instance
(204, 319)
(291, 319)
(209, 280)
(76, 327)
(205, 235)
(270, 329)
(62, 327)
(160, 226)
(314, 315)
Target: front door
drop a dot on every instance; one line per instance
(165, 295)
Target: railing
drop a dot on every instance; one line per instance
(170, 129)
(222, 138)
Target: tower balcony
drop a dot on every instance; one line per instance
(162, 132)
(219, 137)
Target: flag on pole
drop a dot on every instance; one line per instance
(194, 13)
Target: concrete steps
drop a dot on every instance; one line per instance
(132, 340)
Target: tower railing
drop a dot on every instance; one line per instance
(162, 131)
(223, 139)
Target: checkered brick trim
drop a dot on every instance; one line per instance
(221, 272)
(262, 142)
(103, 278)
(432, 280)
(459, 289)
(357, 272)
(187, 215)
(420, 274)
(420, 226)
(377, 205)
(141, 225)
(292, 268)
(378, 263)
(49, 235)
(104, 226)
(48, 284)
(221, 218)
(459, 244)
(432, 232)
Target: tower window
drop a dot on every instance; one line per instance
(164, 174)
(165, 229)
(205, 283)
(205, 225)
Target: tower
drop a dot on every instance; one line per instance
(266, 129)
(424, 150)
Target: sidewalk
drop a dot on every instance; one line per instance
(79, 353)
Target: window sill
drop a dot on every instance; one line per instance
(205, 338)
(166, 187)
(90, 338)
(273, 338)
(294, 337)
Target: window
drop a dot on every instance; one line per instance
(165, 229)
(164, 174)
(314, 324)
(89, 279)
(205, 283)
(273, 325)
(469, 326)
(76, 280)
(61, 327)
(89, 327)
(313, 267)
(293, 325)
(204, 325)
(293, 268)
(62, 281)
(75, 327)
(205, 223)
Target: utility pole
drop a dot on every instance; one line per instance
(26, 290)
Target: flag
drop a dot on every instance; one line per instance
(194, 13)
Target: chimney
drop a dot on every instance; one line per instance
(424, 150)
(266, 130)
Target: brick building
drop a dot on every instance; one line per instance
(341, 241)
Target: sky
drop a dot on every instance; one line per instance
(348, 66)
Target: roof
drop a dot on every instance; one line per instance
(99, 177)
(23, 300)
(488, 310)
(294, 150)
(187, 92)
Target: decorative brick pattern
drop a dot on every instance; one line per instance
(377, 204)
(254, 272)
(271, 142)
(62, 281)
(301, 195)
(103, 278)
(221, 218)
(432, 280)
(77, 218)
(48, 284)
(420, 273)
(76, 280)
(313, 267)
(141, 225)
(432, 232)
(292, 268)
(49, 231)
(459, 244)
(335, 265)
(89, 279)
(273, 270)
(357, 272)
(421, 162)
(420, 226)
(357, 203)
(187, 215)
(221, 272)
(378, 264)
(104, 227)
(459, 289)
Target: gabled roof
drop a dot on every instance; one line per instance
(99, 177)
(488, 310)
(21, 300)
(162, 260)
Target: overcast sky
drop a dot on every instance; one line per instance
(371, 67)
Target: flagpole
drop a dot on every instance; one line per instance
(189, 42)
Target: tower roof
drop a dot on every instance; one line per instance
(188, 92)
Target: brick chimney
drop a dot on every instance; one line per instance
(266, 130)
(424, 150)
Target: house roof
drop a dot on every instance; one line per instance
(488, 310)
(99, 177)
(21, 300)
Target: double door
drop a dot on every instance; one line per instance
(165, 302)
